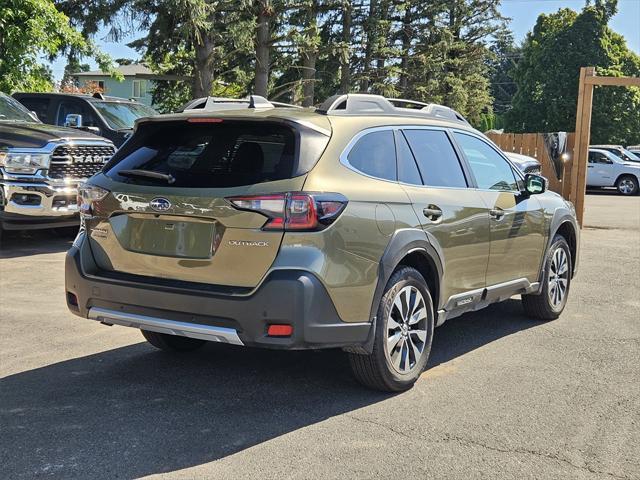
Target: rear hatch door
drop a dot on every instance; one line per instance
(167, 214)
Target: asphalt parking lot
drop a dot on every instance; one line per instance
(504, 397)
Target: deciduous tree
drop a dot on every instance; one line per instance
(547, 76)
(29, 30)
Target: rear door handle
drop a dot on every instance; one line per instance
(432, 212)
(496, 213)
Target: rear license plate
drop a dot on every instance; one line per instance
(168, 238)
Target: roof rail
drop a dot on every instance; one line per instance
(366, 104)
(285, 105)
(211, 104)
(252, 101)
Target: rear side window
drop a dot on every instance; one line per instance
(225, 154)
(375, 155)
(439, 165)
(597, 157)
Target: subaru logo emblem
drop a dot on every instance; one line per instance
(160, 204)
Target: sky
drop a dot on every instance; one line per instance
(523, 14)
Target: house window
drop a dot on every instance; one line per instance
(139, 88)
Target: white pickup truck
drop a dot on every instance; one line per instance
(606, 169)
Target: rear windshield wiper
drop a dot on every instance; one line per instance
(148, 174)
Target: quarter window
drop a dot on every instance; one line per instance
(437, 160)
(492, 172)
(407, 168)
(375, 155)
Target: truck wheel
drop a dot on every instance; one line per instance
(627, 185)
(556, 281)
(404, 331)
(172, 343)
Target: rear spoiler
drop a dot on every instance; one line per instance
(200, 113)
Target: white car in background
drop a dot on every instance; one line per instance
(608, 170)
(635, 149)
(618, 150)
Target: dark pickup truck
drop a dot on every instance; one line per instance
(109, 117)
(40, 168)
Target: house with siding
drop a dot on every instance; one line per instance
(137, 84)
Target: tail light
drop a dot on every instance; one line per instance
(87, 195)
(294, 211)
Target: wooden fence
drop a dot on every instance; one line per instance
(532, 144)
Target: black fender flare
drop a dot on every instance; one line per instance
(402, 243)
(560, 217)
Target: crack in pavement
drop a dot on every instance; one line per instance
(546, 455)
(447, 438)
(613, 340)
(382, 425)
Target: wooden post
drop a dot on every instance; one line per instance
(583, 135)
(568, 167)
(588, 79)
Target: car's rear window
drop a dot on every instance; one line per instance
(209, 155)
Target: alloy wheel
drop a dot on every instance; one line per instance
(406, 330)
(626, 186)
(558, 277)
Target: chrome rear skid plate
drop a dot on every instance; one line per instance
(163, 325)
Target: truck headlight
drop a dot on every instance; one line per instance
(24, 162)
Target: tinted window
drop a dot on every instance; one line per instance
(12, 110)
(375, 155)
(38, 105)
(67, 107)
(597, 157)
(492, 172)
(123, 115)
(407, 168)
(437, 160)
(209, 154)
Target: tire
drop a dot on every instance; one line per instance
(627, 185)
(398, 369)
(549, 304)
(172, 343)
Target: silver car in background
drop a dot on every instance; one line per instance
(525, 163)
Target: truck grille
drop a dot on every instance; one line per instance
(79, 161)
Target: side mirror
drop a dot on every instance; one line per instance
(73, 120)
(534, 184)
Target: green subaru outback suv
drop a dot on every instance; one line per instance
(360, 225)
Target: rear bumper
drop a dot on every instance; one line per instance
(292, 297)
